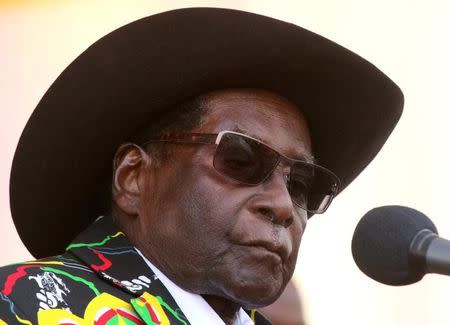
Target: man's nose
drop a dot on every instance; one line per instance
(274, 201)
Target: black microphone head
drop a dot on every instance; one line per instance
(381, 241)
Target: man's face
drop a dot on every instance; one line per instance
(211, 234)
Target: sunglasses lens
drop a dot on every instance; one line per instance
(248, 161)
(312, 187)
(244, 159)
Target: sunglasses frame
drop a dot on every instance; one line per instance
(215, 138)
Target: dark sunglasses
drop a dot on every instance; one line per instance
(251, 162)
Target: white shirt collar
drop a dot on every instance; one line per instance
(194, 307)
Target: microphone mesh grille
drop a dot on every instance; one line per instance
(380, 244)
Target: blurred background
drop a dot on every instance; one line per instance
(408, 40)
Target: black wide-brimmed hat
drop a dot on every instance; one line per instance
(133, 75)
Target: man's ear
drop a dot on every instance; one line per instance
(129, 166)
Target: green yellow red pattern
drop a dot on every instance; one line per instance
(106, 309)
(91, 283)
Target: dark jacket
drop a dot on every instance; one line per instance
(100, 279)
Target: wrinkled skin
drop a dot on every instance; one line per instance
(234, 244)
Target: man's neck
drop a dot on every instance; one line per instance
(226, 309)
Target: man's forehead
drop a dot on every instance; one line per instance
(264, 115)
(299, 151)
(232, 94)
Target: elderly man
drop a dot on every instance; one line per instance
(192, 146)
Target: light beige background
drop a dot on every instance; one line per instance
(409, 40)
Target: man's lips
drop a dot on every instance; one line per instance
(279, 249)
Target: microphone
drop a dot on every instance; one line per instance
(397, 245)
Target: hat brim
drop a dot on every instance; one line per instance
(134, 74)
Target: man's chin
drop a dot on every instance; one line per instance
(254, 294)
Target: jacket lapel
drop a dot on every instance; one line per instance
(107, 251)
